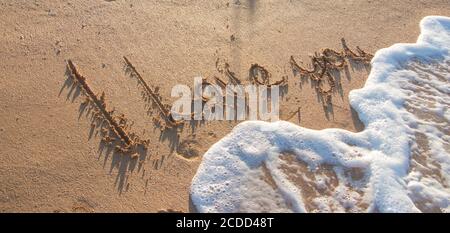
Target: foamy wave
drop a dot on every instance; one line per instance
(399, 163)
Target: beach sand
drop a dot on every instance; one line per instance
(51, 158)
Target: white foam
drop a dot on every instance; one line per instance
(399, 163)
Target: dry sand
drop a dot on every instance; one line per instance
(49, 159)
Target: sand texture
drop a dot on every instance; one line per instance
(52, 155)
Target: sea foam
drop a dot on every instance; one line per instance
(399, 163)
